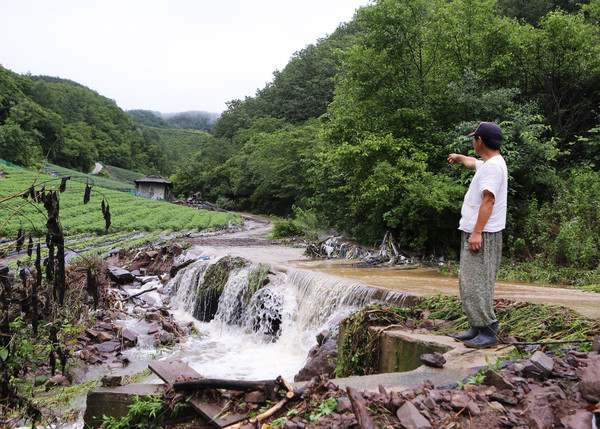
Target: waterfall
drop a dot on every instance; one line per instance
(269, 332)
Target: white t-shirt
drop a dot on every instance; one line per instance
(491, 175)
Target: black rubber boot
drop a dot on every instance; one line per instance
(486, 339)
(469, 335)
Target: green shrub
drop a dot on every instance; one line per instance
(283, 228)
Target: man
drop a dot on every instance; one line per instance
(483, 217)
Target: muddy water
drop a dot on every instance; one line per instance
(420, 281)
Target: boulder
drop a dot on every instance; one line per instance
(120, 275)
(321, 363)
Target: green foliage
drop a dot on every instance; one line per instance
(146, 412)
(325, 408)
(284, 228)
(358, 354)
(177, 145)
(71, 124)
(148, 119)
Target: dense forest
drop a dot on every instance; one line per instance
(70, 124)
(355, 131)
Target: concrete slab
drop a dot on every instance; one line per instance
(461, 362)
(114, 401)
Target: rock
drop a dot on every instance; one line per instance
(537, 410)
(492, 378)
(111, 380)
(112, 253)
(436, 360)
(152, 254)
(473, 408)
(152, 316)
(176, 249)
(344, 405)
(504, 397)
(322, 337)
(255, 397)
(115, 365)
(581, 419)
(178, 267)
(590, 381)
(104, 326)
(153, 329)
(596, 344)
(59, 380)
(321, 363)
(104, 337)
(120, 275)
(91, 333)
(165, 338)
(130, 336)
(539, 366)
(411, 418)
(168, 326)
(108, 347)
(459, 401)
(437, 396)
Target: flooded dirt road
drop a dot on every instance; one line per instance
(252, 244)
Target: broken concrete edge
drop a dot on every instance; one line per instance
(115, 401)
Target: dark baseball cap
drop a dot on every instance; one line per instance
(491, 133)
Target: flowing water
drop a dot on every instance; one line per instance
(268, 336)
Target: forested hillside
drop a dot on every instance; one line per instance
(70, 123)
(357, 128)
(201, 121)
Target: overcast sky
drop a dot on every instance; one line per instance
(165, 55)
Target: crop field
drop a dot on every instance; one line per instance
(126, 175)
(128, 213)
(84, 178)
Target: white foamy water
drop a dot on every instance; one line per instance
(237, 343)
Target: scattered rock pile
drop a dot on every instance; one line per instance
(539, 392)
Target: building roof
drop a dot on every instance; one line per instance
(152, 178)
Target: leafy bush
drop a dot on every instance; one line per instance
(283, 228)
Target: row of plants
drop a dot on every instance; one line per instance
(108, 183)
(129, 213)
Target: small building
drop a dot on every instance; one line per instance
(153, 187)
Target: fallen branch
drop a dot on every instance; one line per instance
(278, 406)
(360, 409)
(140, 293)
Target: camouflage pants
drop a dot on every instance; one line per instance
(477, 276)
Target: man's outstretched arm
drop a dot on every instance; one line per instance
(468, 161)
